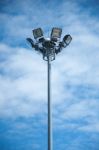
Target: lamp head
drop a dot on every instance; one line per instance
(56, 34)
(67, 39)
(37, 33)
(30, 41)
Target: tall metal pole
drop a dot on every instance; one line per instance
(49, 107)
(49, 48)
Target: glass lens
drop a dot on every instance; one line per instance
(37, 33)
(67, 39)
(56, 32)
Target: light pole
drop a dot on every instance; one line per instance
(49, 48)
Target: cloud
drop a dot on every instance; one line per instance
(23, 73)
(18, 88)
(74, 76)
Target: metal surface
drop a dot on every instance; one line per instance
(49, 106)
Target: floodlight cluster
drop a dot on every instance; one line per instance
(49, 47)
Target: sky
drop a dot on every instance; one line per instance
(74, 77)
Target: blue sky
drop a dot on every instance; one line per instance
(75, 76)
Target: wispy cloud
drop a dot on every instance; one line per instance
(75, 72)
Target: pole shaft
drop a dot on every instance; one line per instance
(49, 108)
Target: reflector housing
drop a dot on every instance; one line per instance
(37, 33)
(67, 39)
(30, 41)
(56, 33)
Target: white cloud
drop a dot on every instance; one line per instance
(23, 73)
(94, 127)
(84, 108)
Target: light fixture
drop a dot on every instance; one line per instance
(56, 34)
(67, 39)
(31, 42)
(37, 33)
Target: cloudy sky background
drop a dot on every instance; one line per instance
(75, 76)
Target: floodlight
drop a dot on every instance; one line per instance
(37, 33)
(67, 39)
(30, 41)
(56, 33)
